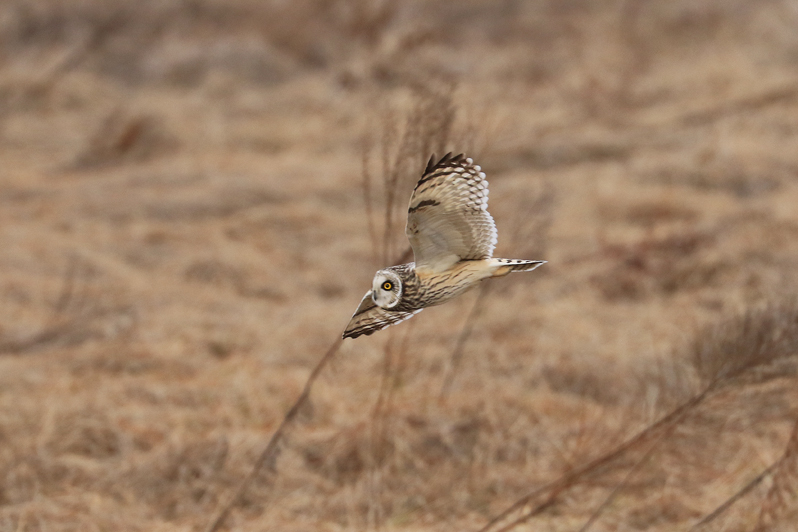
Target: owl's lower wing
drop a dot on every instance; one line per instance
(448, 218)
(369, 318)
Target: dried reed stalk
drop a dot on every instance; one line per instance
(429, 119)
(741, 351)
(529, 237)
(462, 338)
(782, 498)
(655, 433)
(271, 452)
(403, 148)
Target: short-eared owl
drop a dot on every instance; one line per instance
(452, 235)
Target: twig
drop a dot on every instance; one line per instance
(381, 418)
(569, 479)
(68, 322)
(617, 489)
(743, 104)
(271, 451)
(742, 492)
(377, 431)
(368, 199)
(550, 500)
(465, 333)
(390, 177)
(783, 484)
(68, 289)
(48, 336)
(737, 496)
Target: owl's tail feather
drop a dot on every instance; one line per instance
(505, 266)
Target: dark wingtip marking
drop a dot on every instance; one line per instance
(446, 161)
(443, 162)
(423, 204)
(361, 331)
(430, 164)
(358, 331)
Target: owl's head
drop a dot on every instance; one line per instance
(386, 289)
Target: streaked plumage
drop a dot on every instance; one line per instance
(453, 237)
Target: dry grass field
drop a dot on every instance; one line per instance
(195, 194)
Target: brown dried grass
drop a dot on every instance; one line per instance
(646, 151)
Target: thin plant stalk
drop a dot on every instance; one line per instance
(272, 450)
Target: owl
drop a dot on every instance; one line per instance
(453, 237)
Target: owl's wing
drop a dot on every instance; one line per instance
(448, 218)
(369, 318)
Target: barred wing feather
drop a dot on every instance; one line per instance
(448, 218)
(369, 318)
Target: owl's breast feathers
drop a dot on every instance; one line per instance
(422, 288)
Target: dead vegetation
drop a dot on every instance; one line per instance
(76, 317)
(194, 195)
(745, 366)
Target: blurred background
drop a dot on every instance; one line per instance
(195, 194)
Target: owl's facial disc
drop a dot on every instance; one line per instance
(386, 289)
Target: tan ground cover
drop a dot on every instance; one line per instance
(183, 233)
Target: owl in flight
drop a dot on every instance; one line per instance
(452, 235)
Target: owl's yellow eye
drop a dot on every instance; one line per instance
(387, 285)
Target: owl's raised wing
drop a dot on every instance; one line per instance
(448, 218)
(370, 318)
